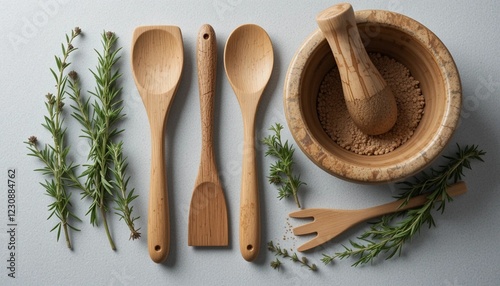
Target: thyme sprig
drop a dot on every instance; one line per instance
(281, 172)
(386, 236)
(278, 251)
(59, 170)
(105, 172)
(275, 264)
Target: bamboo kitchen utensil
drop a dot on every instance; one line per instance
(207, 225)
(329, 223)
(248, 61)
(370, 102)
(157, 62)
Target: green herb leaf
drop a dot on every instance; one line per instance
(281, 171)
(106, 179)
(53, 155)
(278, 251)
(389, 236)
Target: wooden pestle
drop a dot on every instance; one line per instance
(369, 100)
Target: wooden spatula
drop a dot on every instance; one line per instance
(207, 224)
(157, 61)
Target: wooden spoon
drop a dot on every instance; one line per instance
(369, 100)
(207, 224)
(329, 223)
(248, 61)
(157, 61)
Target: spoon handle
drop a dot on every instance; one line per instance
(249, 197)
(206, 58)
(158, 212)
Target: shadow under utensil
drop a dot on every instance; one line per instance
(270, 91)
(172, 147)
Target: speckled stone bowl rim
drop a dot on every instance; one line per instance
(371, 173)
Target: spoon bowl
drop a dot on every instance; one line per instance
(157, 61)
(253, 42)
(248, 61)
(149, 61)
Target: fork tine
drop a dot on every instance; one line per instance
(311, 244)
(312, 227)
(307, 228)
(305, 213)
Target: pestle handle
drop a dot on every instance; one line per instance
(369, 100)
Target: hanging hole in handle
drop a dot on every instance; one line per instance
(250, 247)
(157, 248)
(206, 36)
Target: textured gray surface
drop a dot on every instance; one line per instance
(462, 249)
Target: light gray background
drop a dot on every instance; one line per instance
(462, 250)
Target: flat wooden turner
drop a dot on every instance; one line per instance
(208, 212)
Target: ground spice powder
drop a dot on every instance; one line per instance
(337, 123)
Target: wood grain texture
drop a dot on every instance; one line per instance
(329, 223)
(248, 61)
(429, 61)
(157, 63)
(207, 224)
(370, 102)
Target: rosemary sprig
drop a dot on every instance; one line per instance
(385, 236)
(105, 172)
(54, 156)
(281, 172)
(124, 198)
(293, 257)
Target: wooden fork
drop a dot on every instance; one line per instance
(329, 223)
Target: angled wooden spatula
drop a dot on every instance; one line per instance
(157, 62)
